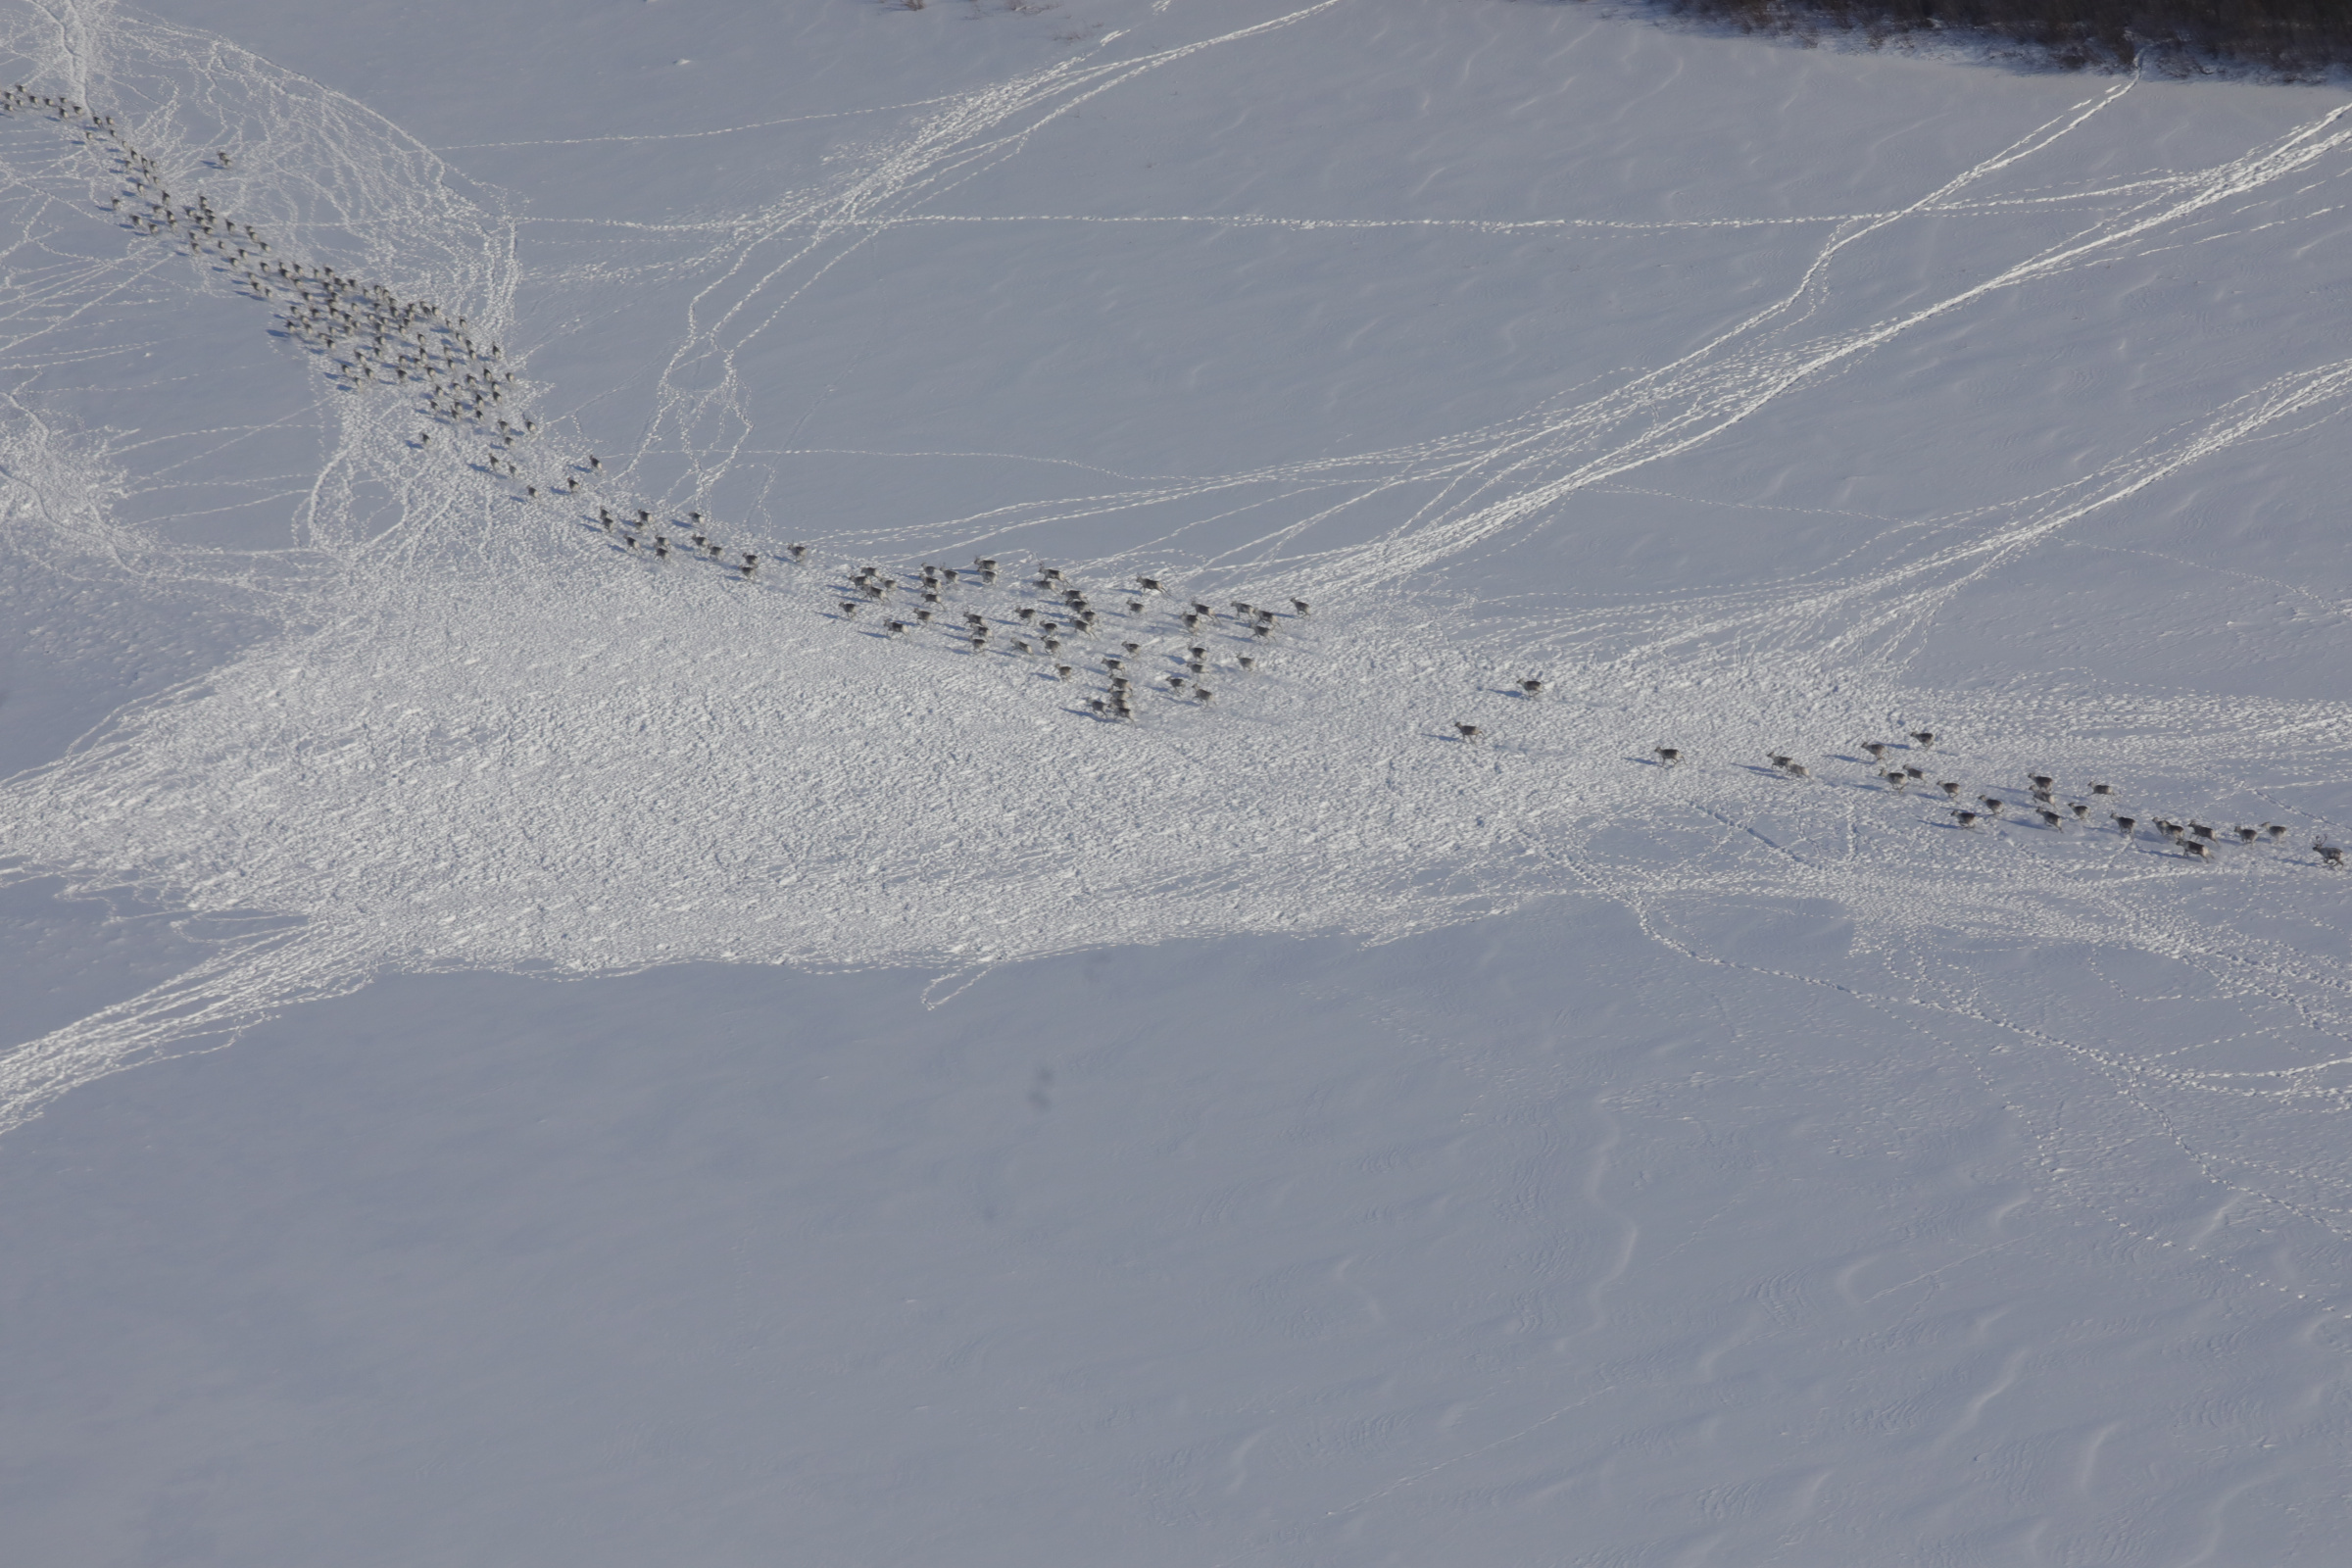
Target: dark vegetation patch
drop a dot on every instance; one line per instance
(2280, 40)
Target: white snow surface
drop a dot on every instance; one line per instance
(971, 1128)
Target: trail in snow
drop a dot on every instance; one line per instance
(491, 736)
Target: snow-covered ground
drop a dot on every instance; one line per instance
(713, 1079)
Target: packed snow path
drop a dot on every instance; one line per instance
(487, 732)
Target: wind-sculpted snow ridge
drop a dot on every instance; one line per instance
(504, 735)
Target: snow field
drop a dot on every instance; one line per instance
(493, 741)
(1759, 491)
